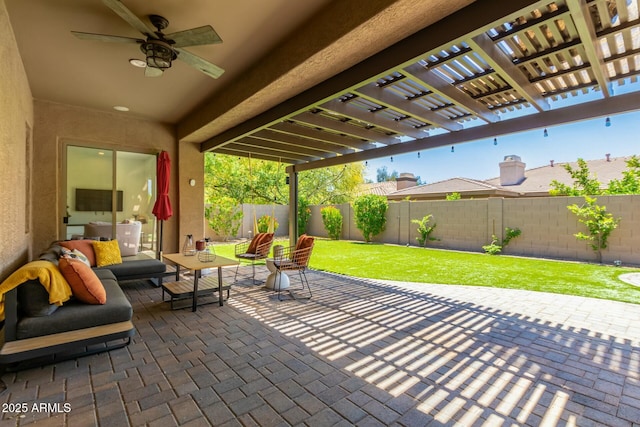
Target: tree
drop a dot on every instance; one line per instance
(382, 175)
(599, 222)
(630, 182)
(453, 196)
(583, 183)
(370, 215)
(263, 182)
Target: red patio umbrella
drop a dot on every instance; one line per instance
(162, 208)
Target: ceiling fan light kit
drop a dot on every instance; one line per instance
(159, 54)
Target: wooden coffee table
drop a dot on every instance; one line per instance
(193, 263)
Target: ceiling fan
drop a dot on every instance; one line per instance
(161, 49)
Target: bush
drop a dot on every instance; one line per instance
(495, 247)
(304, 213)
(332, 220)
(369, 211)
(224, 217)
(264, 221)
(424, 229)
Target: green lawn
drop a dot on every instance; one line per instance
(412, 264)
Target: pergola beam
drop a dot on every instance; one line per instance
(600, 108)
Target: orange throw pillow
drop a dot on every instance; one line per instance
(254, 243)
(84, 283)
(303, 242)
(84, 246)
(264, 251)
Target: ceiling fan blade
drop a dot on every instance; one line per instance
(195, 37)
(105, 37)
(153, 72)
(195, 61)
(129, 17)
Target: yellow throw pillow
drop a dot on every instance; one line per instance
(107, 253)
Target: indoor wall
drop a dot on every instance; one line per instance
(16, 122)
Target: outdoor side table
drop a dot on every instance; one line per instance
(193, 263)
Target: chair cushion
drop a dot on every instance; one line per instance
(254, 243)
(304, 242)
(85, 285)
(261, 250)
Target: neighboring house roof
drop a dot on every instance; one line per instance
(440, 189)
(536, 182)
(377, 188)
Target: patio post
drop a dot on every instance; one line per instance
(293, 206)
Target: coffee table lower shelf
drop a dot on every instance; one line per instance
(183, 290)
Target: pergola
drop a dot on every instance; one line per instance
(480, 73)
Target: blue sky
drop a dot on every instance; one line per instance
(479, 159)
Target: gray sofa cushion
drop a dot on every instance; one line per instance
(136, 268)
(75, 315)
(33, 300)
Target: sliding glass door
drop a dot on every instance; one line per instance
(110, 195)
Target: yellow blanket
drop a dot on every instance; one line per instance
(48, 274)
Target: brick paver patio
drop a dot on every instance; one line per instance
(361, 353)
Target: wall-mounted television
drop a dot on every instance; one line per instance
(90, 200)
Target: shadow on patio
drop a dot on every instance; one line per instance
(359, 353)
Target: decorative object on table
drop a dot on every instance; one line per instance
(201, 245)
(187, 248)
(208, 254)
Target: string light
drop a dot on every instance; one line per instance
(453, 149)
(366, 163)
(546, 133)
(495, 141)
(607, 122)
(418, 154)
(391, 159)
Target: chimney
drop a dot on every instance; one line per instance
(511, 170)
(406, 180)
(608, 157)
(551, 163)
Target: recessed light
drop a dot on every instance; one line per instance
(138, 63)
(121, 108)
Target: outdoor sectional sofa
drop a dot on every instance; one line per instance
(37, 330)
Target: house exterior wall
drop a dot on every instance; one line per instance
(547, 226)
(16, 124)
(57, 125)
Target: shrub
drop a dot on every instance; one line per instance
(424, 229)
(304, 213)
(453, 196)
(599, 222)
(332, 220)
(224, 217)
(369, 211)
(264, 221)
(495, 247)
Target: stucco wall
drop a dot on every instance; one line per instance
(547, 226)
(57, 125)
(16, 118)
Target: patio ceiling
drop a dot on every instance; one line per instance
(480, 73)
